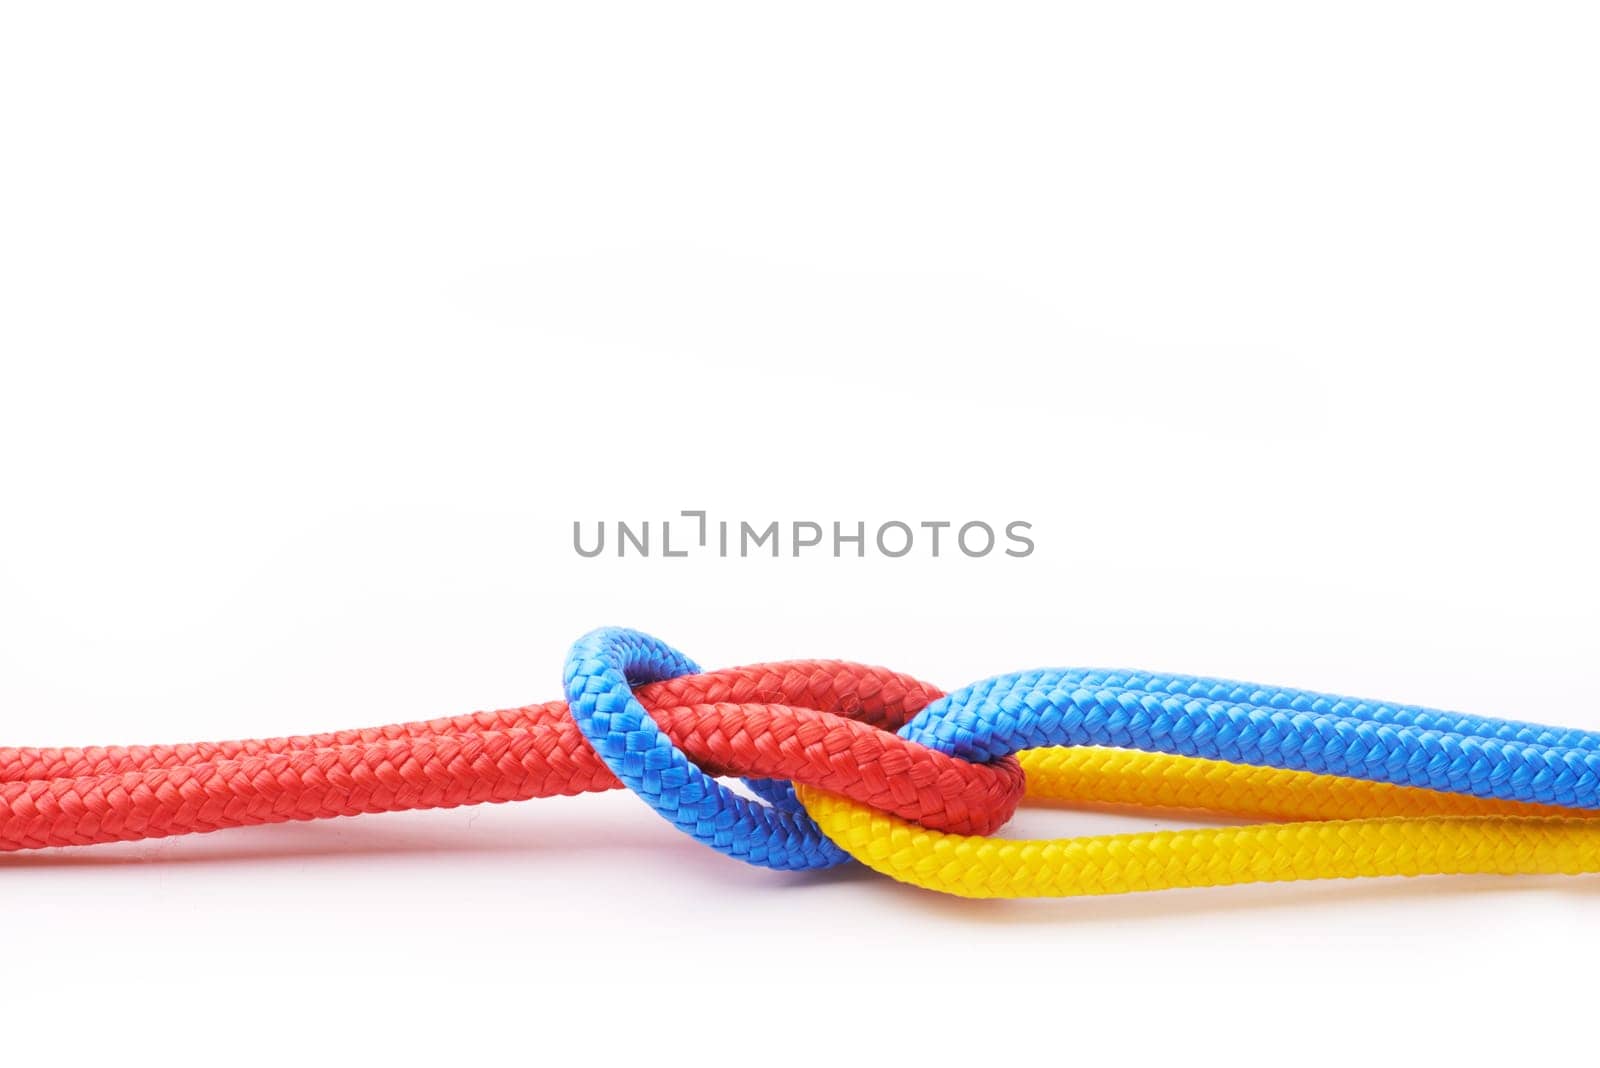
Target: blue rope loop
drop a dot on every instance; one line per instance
(601, 671)
(1266, 726)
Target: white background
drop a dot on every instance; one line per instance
(321, 323)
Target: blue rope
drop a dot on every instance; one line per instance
(1268, 727)
(1186, 715)
(601, 671)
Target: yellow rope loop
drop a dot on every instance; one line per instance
(1345, 828)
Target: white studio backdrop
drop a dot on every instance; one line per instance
(321, 324)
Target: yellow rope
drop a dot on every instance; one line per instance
(1156, 780)
(1346, 828)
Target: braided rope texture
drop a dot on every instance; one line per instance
(1347, 828)
(817, 721)
(1243, 723)
(1374, 788)
(1156, 782)
(1381, 789)
(1217, 719)
(602, 670)
(1115, 864)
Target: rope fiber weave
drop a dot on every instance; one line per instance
(855, 761)
(1346, 828)
(814, 721)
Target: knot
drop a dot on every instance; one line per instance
(826, 723)
(838, 740)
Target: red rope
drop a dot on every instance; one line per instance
(824, 723)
